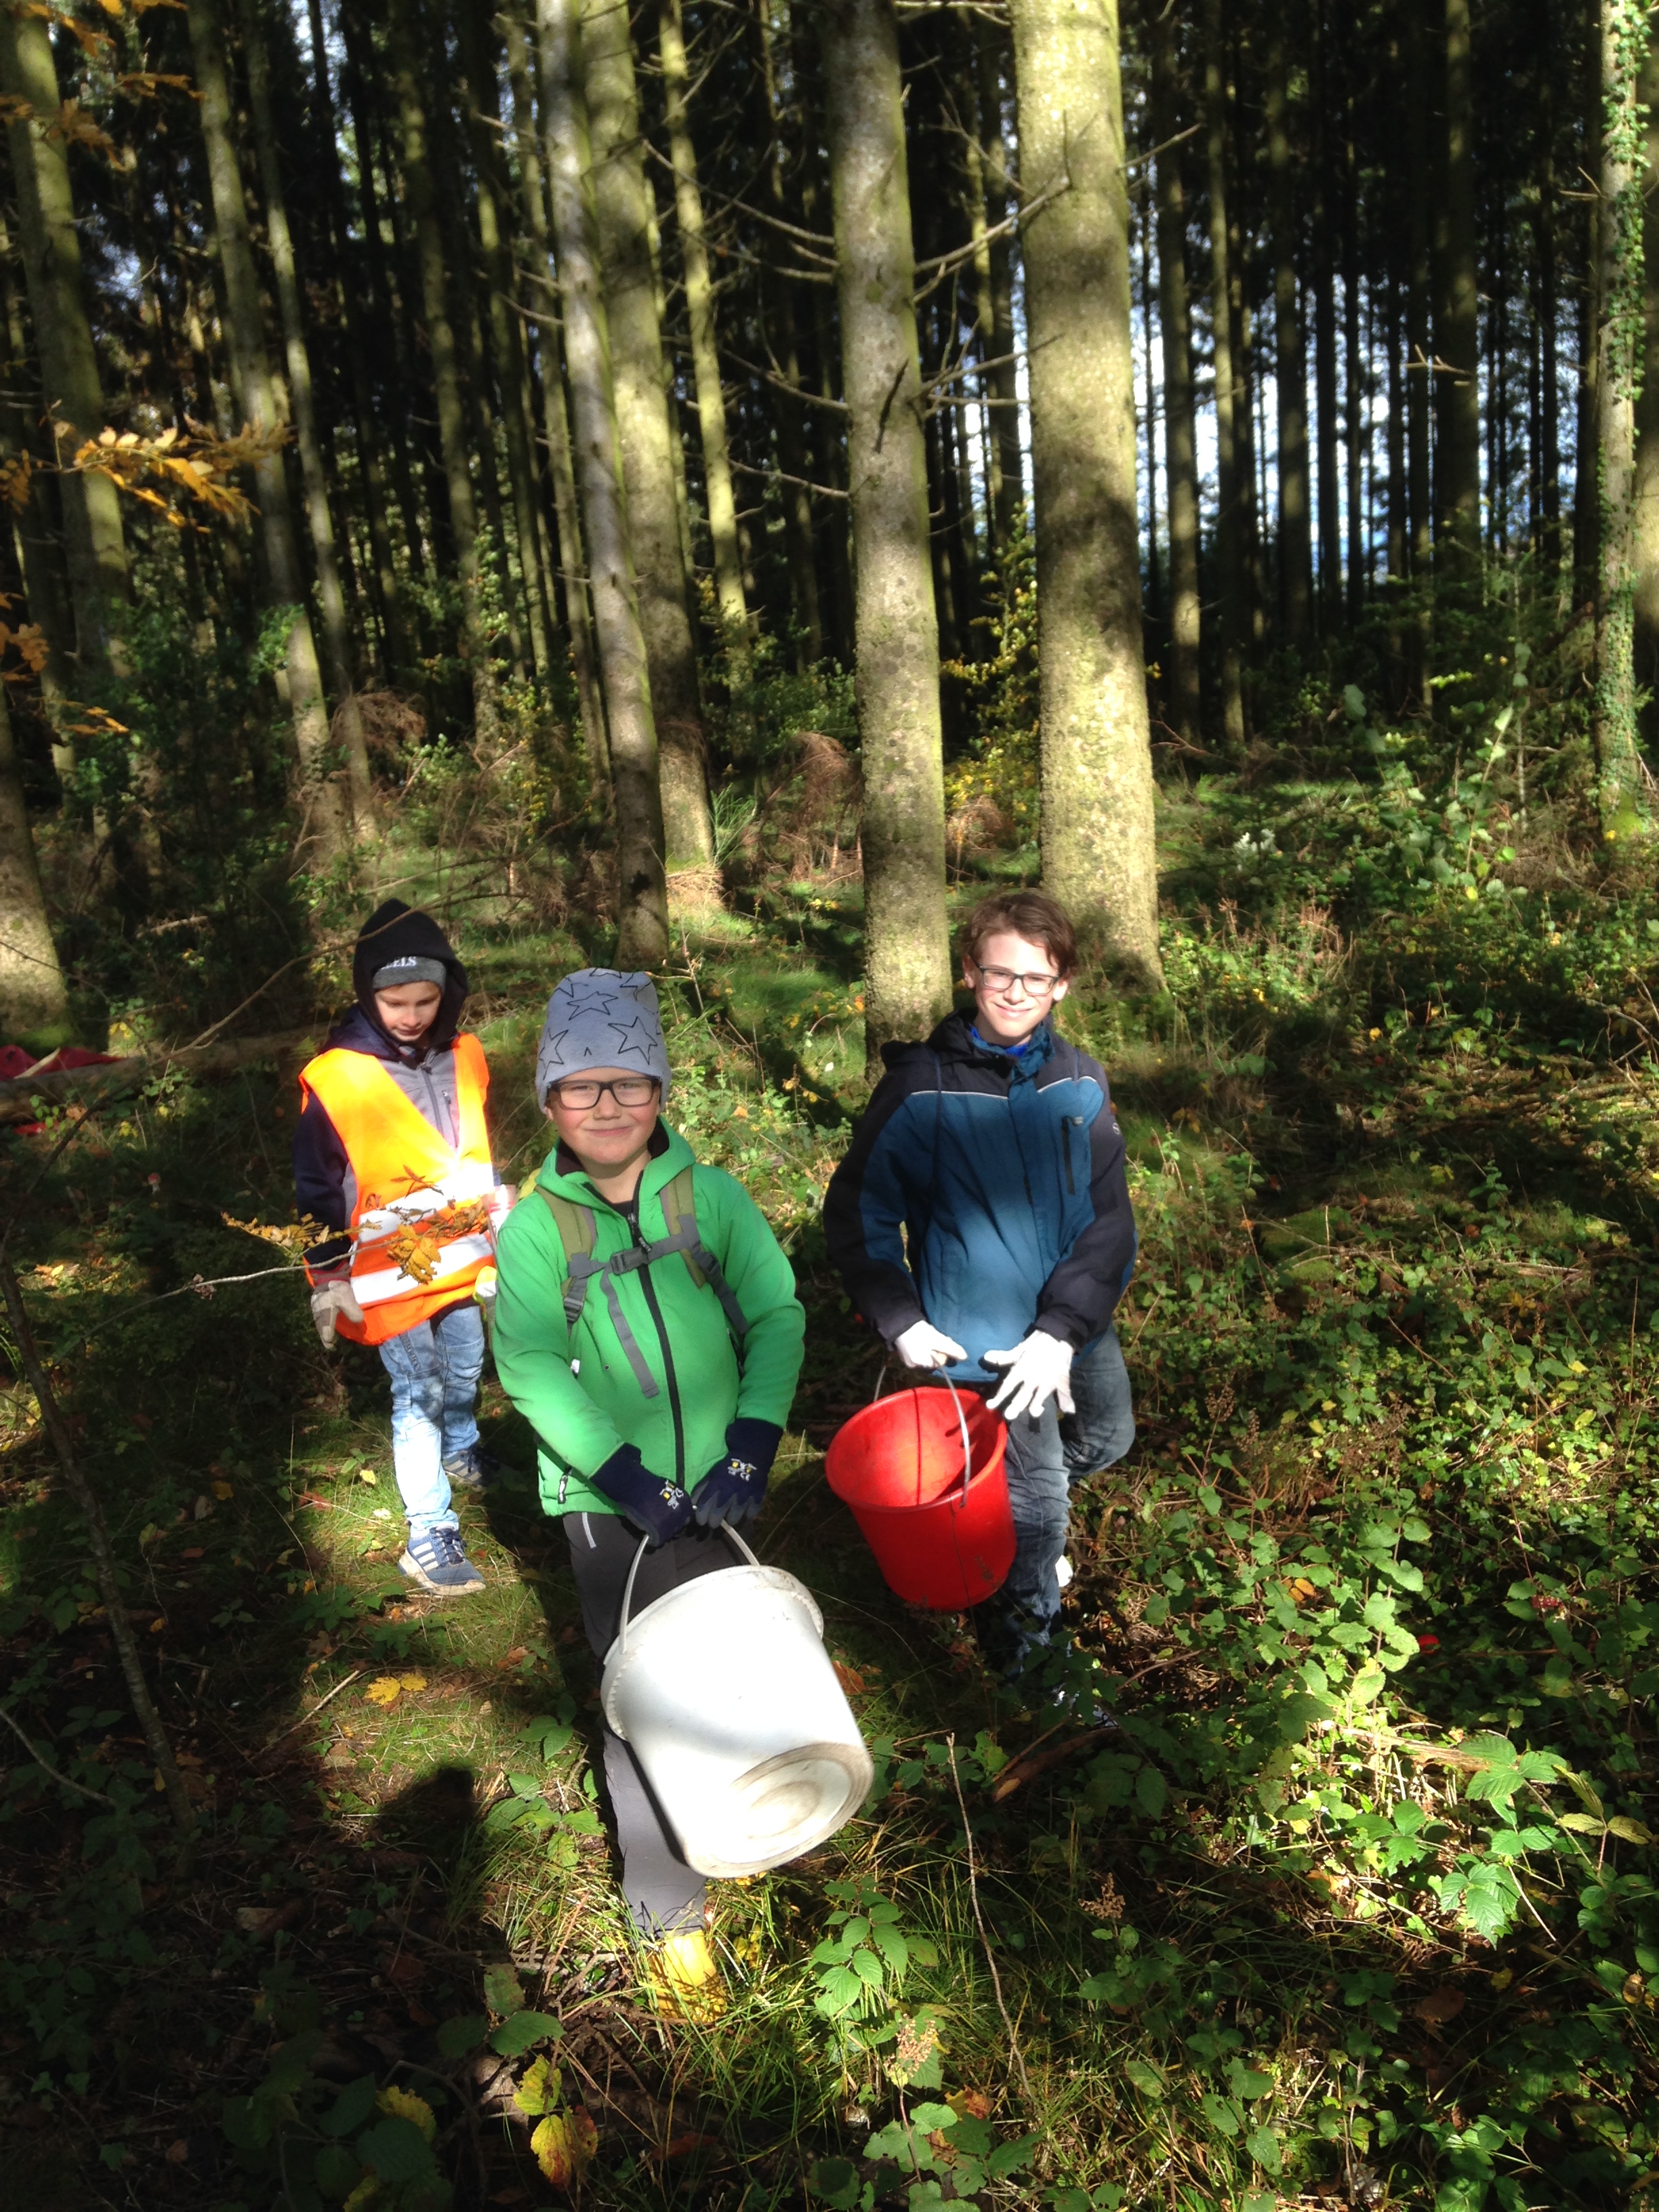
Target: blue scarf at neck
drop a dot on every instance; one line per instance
(1024, 1058)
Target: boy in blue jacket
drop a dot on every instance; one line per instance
(980, 1221)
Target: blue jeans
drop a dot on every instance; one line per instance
(434, 1369)
(1044, 1456)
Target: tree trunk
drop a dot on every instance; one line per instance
(646, 434)
(907, 963)
(244, 344)
(705, 354)
(95, 542)
(1295, 522)
(1549, 373)
(1419, 376)
(1180, 439)
(337, 628)
(1353, 403)
(1620, 348)
(420, 193)
(1458, 342)
(1329, 595)
(1646, 516)
(1007, 481)
(555, 416)
(34, 998)
(1098, 849)
(642, 921)
(1230, 591)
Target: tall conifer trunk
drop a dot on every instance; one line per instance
(1231, 588)
(1644, 519)
(250, 362)
(1291, 361)
(1098, 852)
(648, 434)
(1180, 439)
(906, 953)
(95, 547)
(420, 193)
(1458, 341)
(1007, 481)
(642, 921)
(33, 999)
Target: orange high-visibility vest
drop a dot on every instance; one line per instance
(405, 1169)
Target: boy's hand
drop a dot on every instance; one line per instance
(1039, 1368)
(924, 1345)
(734, 1488)
(658, 1508)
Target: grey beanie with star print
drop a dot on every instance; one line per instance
(599, 1017)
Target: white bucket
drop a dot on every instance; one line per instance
(725, 1693)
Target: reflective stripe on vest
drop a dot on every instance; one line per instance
(403, 1168)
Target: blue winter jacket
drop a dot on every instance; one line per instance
(986, 1193)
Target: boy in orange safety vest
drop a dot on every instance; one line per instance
(392, 1155)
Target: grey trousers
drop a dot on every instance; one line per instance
(663, 1893)
(1045, 1455)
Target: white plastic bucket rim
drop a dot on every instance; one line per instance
(753, 1770)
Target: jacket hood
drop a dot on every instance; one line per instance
(396, 932)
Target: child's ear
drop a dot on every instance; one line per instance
(1060, 989)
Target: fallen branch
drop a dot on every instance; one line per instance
(41, 1760)
(22, 1099)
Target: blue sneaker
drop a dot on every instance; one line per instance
(438, 1562)
(475, 1468)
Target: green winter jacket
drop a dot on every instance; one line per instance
(579, 1393)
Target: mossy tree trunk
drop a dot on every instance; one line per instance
(250, 365)
(646, 431)
(95, 542)
(1098, 853)
(643, 920)
(33, 999)
(1180, 436)
(1645, 506)
(907, 963)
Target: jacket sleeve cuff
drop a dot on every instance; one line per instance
(1070, 1327)
(620, 1474)
(755, 1441)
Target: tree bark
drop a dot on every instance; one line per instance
(1646, 499)
(705, 354)
(907, 964)
(420, 193)
(33, 998)
(1458, 342)
(1620, 348)
(1420, 374)
(642, 921)
(336, 627)
(1098, 849)
(95, 548)
(1180, 439)
(782, 336)
(1231, 590)
(1295, 520)
(1329, 591)
(1007, 478)
(646, 434)
(244, 344)
(556, 414)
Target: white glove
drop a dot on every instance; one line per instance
(924, 1345)
(329, 1301)
(1039, 1369)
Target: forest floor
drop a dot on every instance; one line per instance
(1358, 1907)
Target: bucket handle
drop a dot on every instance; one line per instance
(962, 1422)
(628, 1587)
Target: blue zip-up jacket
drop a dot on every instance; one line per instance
(985, 1192)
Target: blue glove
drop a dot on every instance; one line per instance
(658, 1508)
(734, 1488)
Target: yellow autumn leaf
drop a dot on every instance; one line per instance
(364, 2195)
(404, 2104)
(412, 1681)
(223, 1489)
(383, 1690)
(562, 2146)
(537, 2089)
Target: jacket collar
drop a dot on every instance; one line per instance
(669, 1153)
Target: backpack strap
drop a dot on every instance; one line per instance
(679, 1213)
(578, 1233)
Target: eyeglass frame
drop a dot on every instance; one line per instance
(1036, 985)
(556, 1091)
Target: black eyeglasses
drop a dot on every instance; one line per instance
(1038, 986)
(581, 1091)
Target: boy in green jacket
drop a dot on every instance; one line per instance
(647, 1326)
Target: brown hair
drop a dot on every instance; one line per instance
(1031, 914)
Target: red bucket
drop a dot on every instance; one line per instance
(923, 1473)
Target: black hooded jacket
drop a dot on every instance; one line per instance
(425, 1073)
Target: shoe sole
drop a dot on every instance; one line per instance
(413, 1571)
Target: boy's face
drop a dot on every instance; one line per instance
(605, 1133)
(409, 1010)
(1010, 1005)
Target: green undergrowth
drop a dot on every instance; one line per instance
(1356, 1906)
